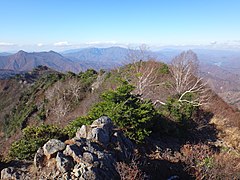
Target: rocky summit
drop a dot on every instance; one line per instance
(91, 154)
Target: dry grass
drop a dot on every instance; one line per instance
(205, 163)
(230, 135)
(226, 166)
(129, 171)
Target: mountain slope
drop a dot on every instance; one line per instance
(63, 99)
(5, 73)
(100, 58)
(23, 61)
(220, 67)
(5, 54)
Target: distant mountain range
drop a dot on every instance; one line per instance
(5, 54)
(5, 73)
(80, 59)
(75, 61)
(99, 58)
(220, 67)
(23, 61)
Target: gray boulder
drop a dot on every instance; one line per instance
(89, 157)
(74, 151)
(64, 163)
(39, 158)
(104, 122)
(52, 147)
(10, 173)
(84, 171)
(84, 132)
(100, 135)
(92, 154)
(99, 131)
(89, 175)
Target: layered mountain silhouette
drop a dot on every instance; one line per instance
(220, 67)
(23, 61)
(79, 60)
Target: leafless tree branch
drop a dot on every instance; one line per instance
(184, 70)
(144, 70)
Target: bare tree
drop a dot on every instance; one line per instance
(145, 77)
(74, 88)
(137, 54)
(58, 98)
(187, 84)
(63, 95)
(61, 108)
(184, 70)
(144, 70)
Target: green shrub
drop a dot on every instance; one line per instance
(179, 111)
(70, 74)
(24, 149)
(26, 106)
(41, 115)
(18, 118)
(88, 77)
(88, 74)
(133, 115)
(164, 69)
(108, 75)
(101, 71)
(33, 138)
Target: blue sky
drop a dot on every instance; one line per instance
(65, 24)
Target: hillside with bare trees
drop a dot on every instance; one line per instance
(176, 124)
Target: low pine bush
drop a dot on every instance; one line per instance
(129, 112)
(33, 138)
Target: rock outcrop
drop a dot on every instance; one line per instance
(52, 147)
(91, 154)
(15, 173)
(39, 158)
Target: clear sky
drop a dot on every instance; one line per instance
(48, 24)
